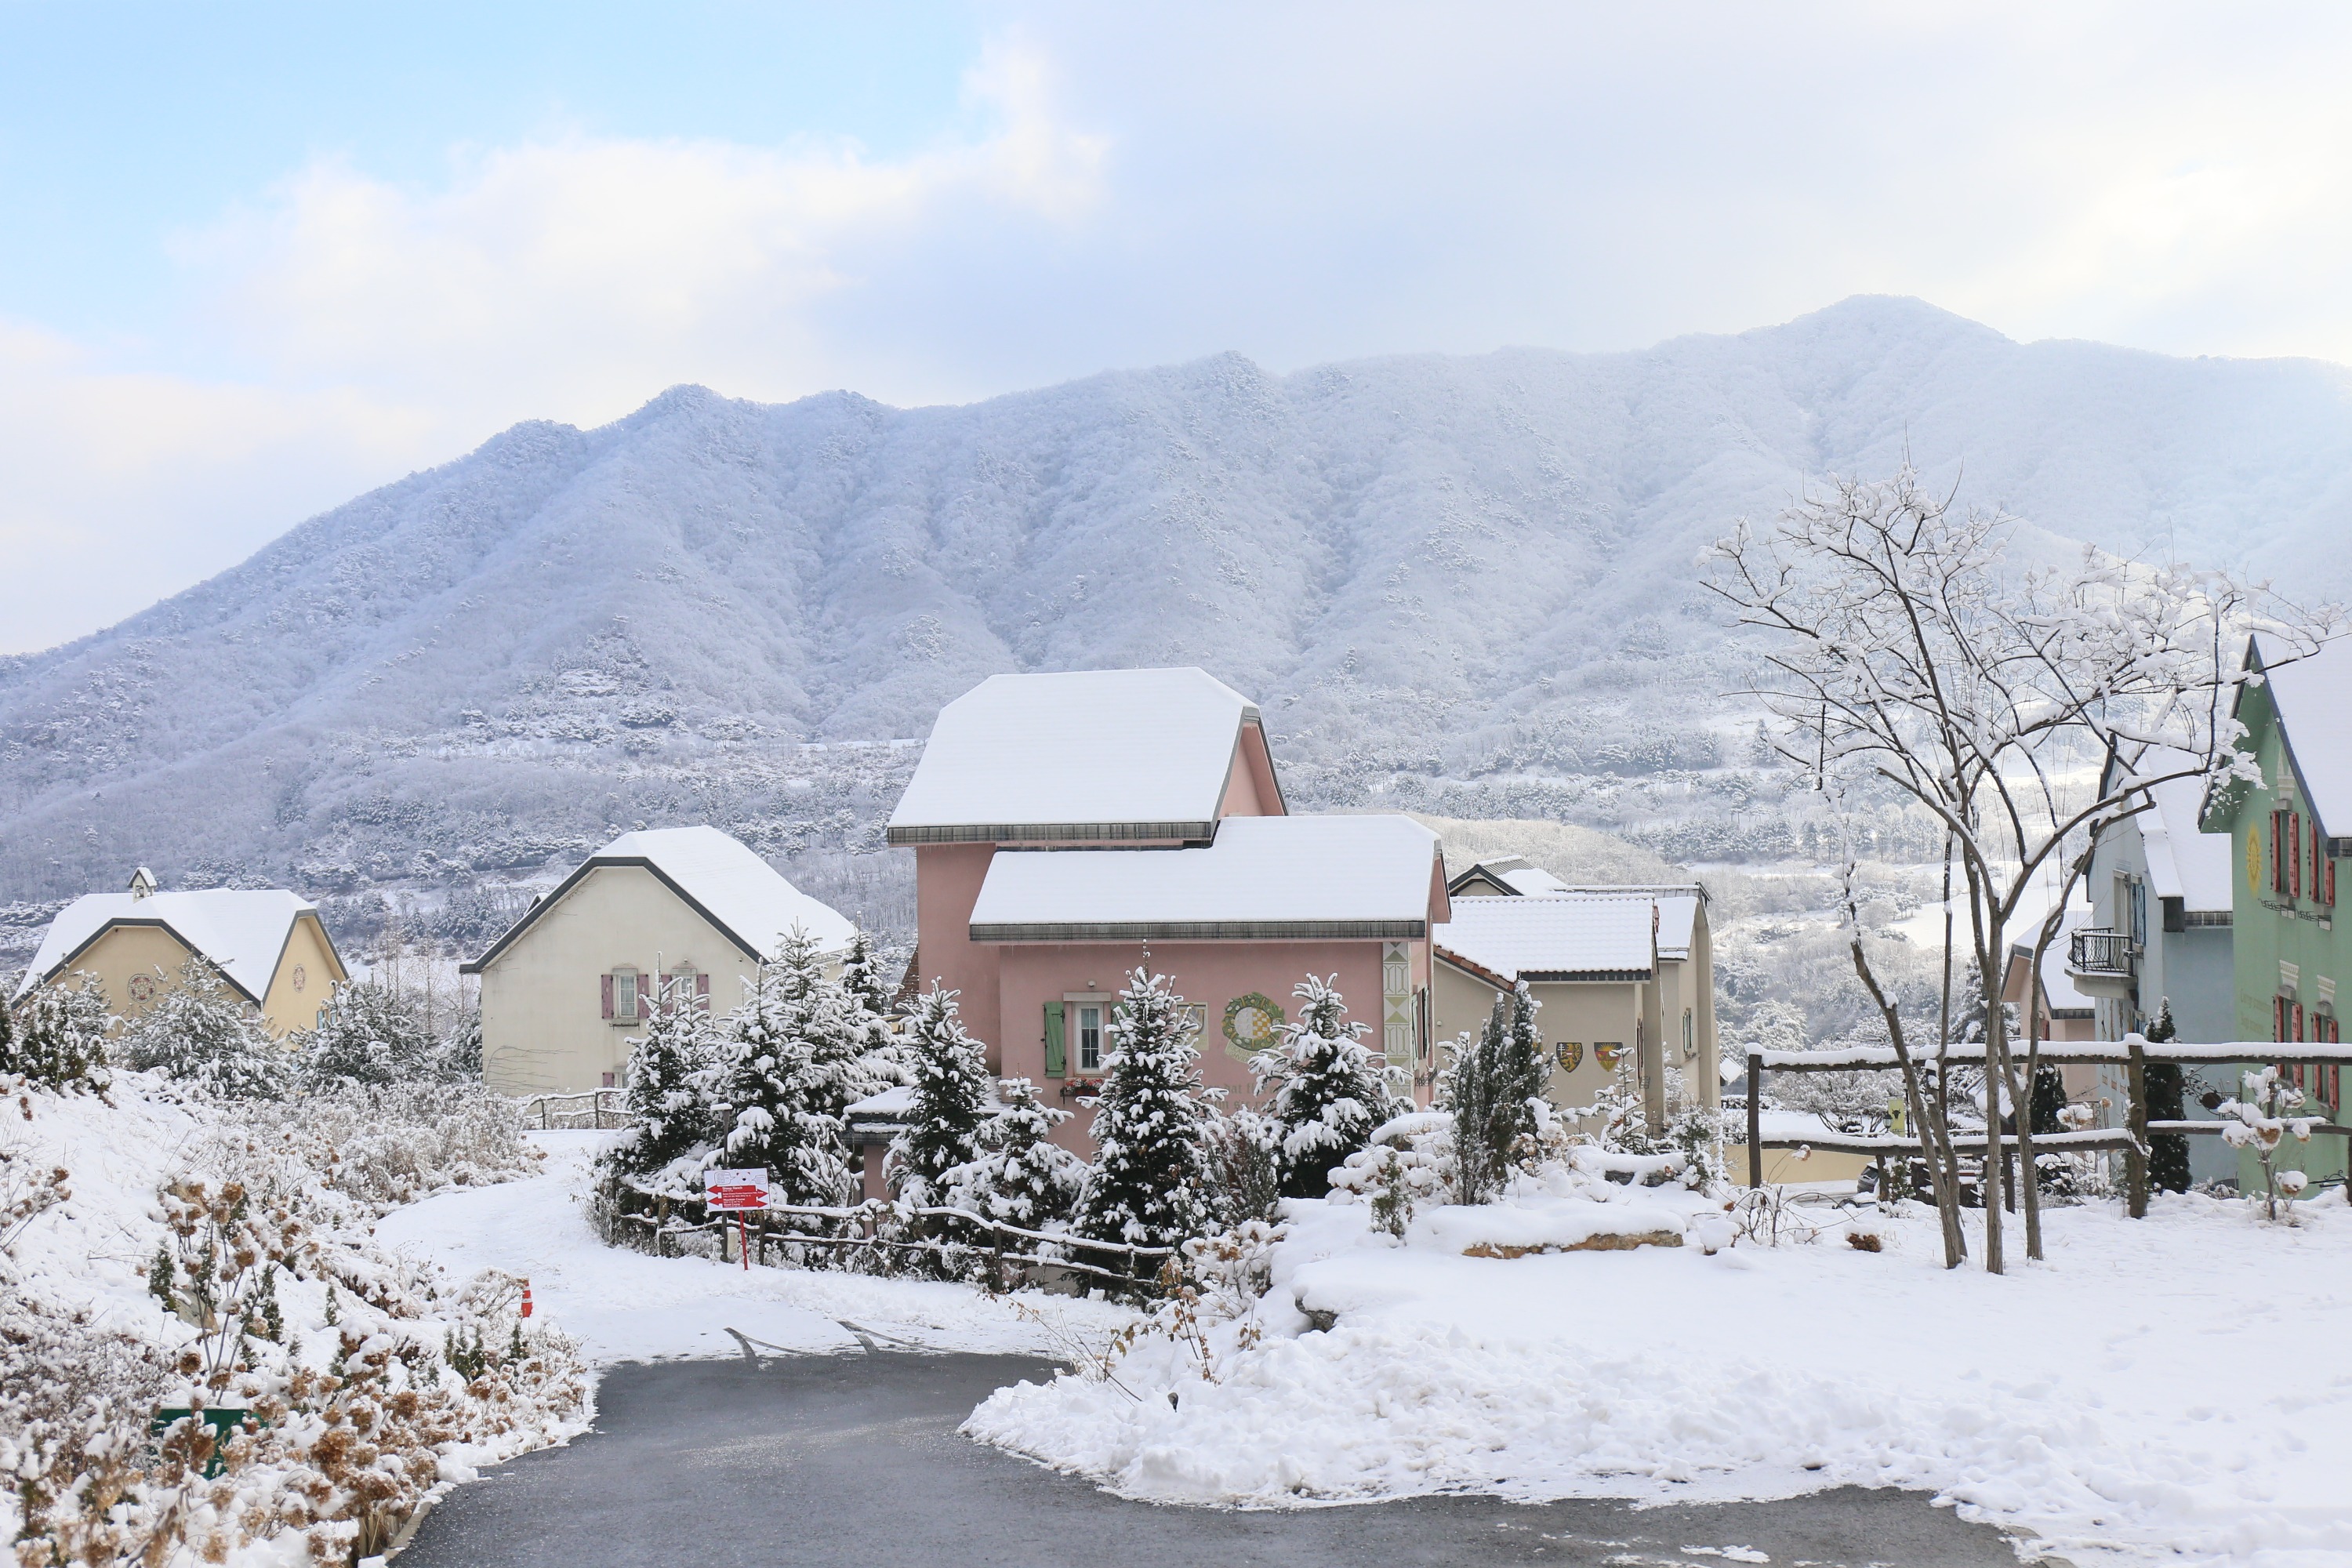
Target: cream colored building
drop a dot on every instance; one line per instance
(566, 989)
(1624, 974)
(269, 946)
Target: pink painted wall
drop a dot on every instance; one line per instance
(1211, 973)
(1251, 790)
(947, 885)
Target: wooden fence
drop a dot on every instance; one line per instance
(871, 1219)
(2131, 1052)
(599, 1108)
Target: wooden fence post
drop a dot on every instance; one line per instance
(2135, 1123)
(1755, 1120)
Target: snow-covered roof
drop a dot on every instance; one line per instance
(2058, 989)
(1127, 751)
(2182, 863)
(1582, 936)
(1367, 876)
(2309, 694)
(242, 930)
(742, 895)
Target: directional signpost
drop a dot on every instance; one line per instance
(740, 1192)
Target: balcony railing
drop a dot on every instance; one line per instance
(2100, 953)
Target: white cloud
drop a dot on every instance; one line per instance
(1135, 186)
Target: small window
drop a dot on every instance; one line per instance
(1090, 1036)
(625, 996)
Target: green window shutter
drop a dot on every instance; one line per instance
(1056, 1055)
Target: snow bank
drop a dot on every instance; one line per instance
(2126, 1400)
(1557, 1224)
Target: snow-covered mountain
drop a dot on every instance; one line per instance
(1459, 584)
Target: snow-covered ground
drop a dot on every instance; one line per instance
(2162, 1390)
(624, 1305)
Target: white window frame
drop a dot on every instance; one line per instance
(1073, 1036)
(635, 1013)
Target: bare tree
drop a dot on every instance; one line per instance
(1903, 651)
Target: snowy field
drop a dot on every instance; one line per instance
(2157, 1391)
(624, 1305)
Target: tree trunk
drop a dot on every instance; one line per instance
(1996, 1090)
(1935, 1139)
(2136, 1120)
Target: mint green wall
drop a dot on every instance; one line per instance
(2271, 927)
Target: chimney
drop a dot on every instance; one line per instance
(142, 882)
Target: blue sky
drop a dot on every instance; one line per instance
(258, 260)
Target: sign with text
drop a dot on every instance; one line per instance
(735, 1189)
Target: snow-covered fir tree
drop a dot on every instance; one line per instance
(59, 1040)
(1148, 1187)
(459, 1058)
(660, 1153)
(1021, 1177)
(202, 1032)
(852, 1052)
(2168, 1153)
(364, 1038)
(777, 1082)
(953, 1101)
(861, 976)
(1493, 1089)
(1329, 1089)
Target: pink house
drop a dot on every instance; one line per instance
(1069, 828)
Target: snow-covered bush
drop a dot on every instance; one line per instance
(314, 1361)
(1245, 1152)
(1329, 1089)
(204, 1034)
(60, 1040)
(2258, 1120)
(785, 1060)
(387, 1146)
(1407, 1162)
(1150, 1183)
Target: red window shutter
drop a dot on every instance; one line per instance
(2278, 851)
(2329, 892)
(2294, 842)
(2278, 1017)
(702, 991)
(608, 993)
(2296, 1017)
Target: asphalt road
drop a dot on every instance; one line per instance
(854, 1460)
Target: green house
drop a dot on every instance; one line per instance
(2287, 836)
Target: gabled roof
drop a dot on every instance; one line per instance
(243, 931)
(1262, 877)
(1516, 874)
(720, 879)
(1584, 935)
(2182, 863)
(1102, 754)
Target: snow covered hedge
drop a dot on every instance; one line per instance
(165, 1251)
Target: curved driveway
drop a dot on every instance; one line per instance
(854, 1460)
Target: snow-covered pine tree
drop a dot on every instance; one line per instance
(659, 1154)
(458, 1059)
(861, 976)
(769, 1090)
(202, 1032)
(852, 1052)
(1021, 1176)
(1329, 1090)
(2168, 1153)
(60, 1041)
(1148, 1187)
(365, 1038)
(1495, 1084)
(952, 1095)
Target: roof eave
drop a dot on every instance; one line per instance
(904, 836)
(1005, 931)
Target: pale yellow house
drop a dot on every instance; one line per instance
(1626, 975)
(570, 985)
(269, 946)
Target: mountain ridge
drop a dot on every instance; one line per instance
(1458, 584)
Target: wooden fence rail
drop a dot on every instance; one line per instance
(2133, 1052)
(605, 1110)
